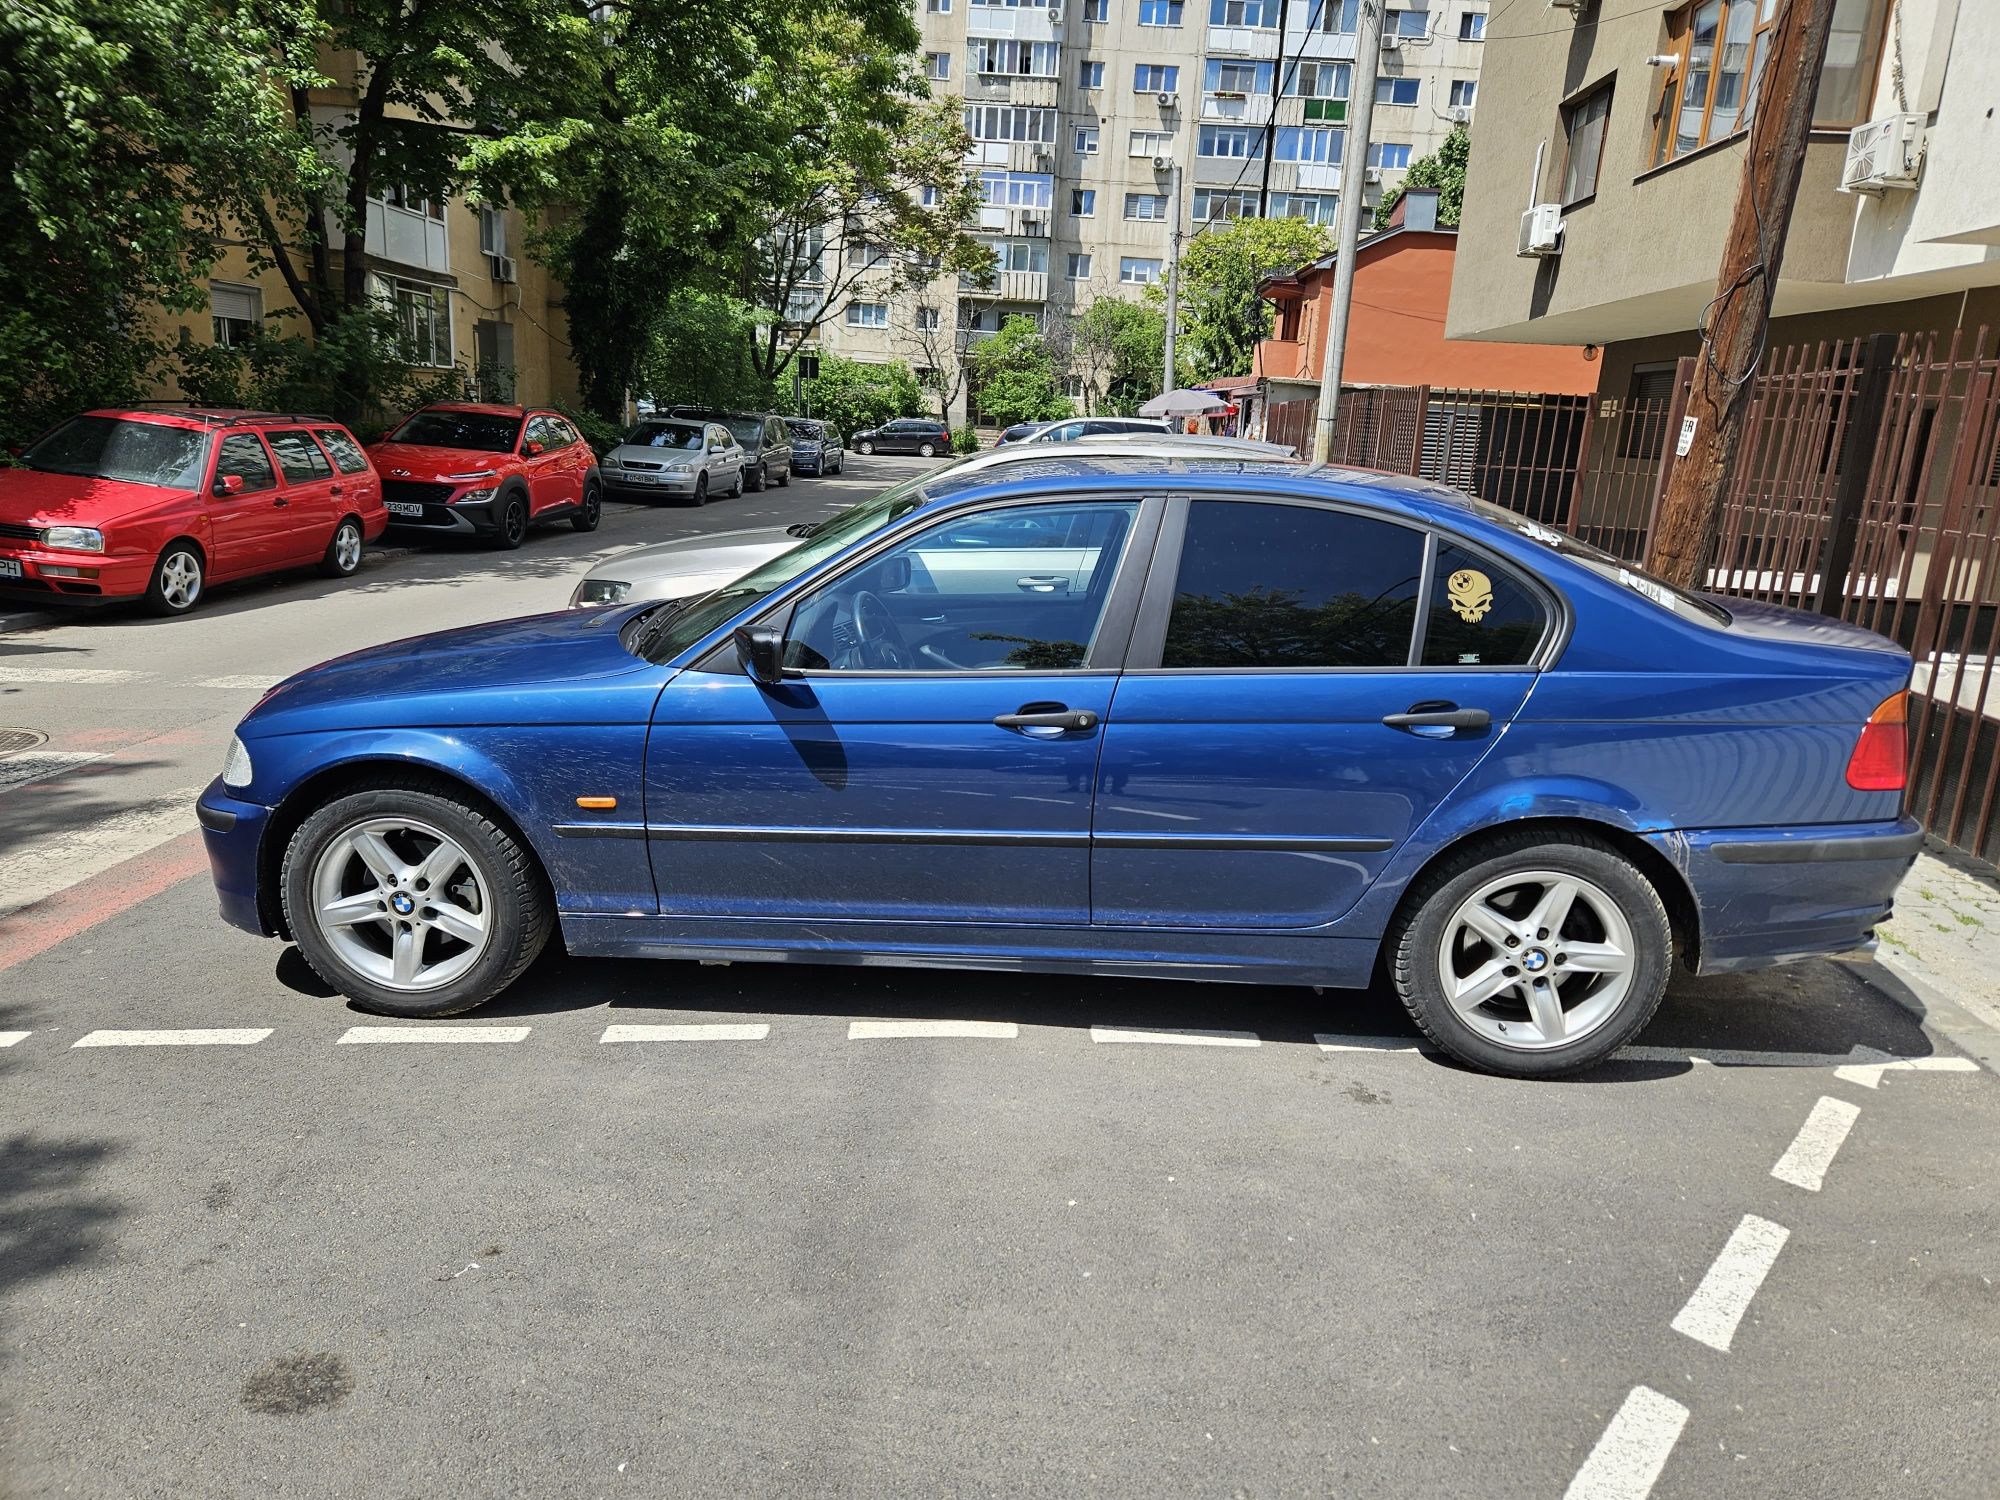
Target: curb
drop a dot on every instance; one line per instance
(1909, 986)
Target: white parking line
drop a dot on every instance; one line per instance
(434, 1034)
(1335, 1042)
(224, 1036)
(1812, 1150)
(86, 676)
(1634, 1448)
(1172, 1037)
(1718, 1304)
(254, 680)
(11, 1038)
(871, 1031)
(1869, 1075)
(697, 1032)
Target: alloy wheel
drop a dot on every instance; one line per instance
(1535, 959)
(401, 903)
(180, 580)
(347, 547)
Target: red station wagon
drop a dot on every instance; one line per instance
(489, 471)
(160, 503)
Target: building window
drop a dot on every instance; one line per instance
(1411, 23)
(1156, 78)
(1642, 425)
(1017, 189)
(1085, 140)
(1002, 122)
(1395, 91)
(1073, 387)
(1079, 266)
(1333, 15)
(927, 318)
(1082, 203)
(414, 202)
(1211, 204)
(1472, 26)
(1097, 11)
(1853, 48)
(236, 313)
(1236, 142)
(1389, 156)
(937, 65)
(1090, 75)
(1315, 208)
(1243, 12)
(867, 315)
(1137, 270)
(1322, 80)
(1150, 143)
(1313, 146)
(423, 320)
(1145, 205)
(1228, 76)
(1583, 123)
(938, 7)
(1004, 55)
(1463, 92)
(1160, 12)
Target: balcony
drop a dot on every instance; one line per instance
(1039, 92)
(1028, 24)
(1236, 109)
(1320, 46)
(1243, 41)
(1023, 286)
(1027, 157)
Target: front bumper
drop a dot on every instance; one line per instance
(233, 831)
(1771, 895)
(662, 482)
(111, 579)
(475, 518)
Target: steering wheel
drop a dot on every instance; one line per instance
(882, 644)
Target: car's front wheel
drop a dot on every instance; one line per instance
(753, 477)
(179, 576)
(413, 903)
(512, 529)
(701, 489)
(1532, 955)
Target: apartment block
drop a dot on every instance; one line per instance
(1079, 111)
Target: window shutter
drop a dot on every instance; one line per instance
(241, 303)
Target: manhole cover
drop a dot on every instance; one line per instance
(13, 741)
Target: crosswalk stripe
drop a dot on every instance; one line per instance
(13, 1038)
(710, 1031)
(1175, 1037)
(439, 1034)
(864, 1031)
(214, 1036)
(14, 676)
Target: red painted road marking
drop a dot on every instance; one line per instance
(55, 920)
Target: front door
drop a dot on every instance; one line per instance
(547, 466)
(1298, 702)
(934, 760)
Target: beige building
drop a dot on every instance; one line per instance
(1082, 110)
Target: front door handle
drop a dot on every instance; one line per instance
(1043, 583)
(280, 503)
(1056, 716)
(1439, 716)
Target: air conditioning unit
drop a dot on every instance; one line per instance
(1169, 101)
(1055, 14)
(502, 267)
(1163, 164)
(1371, 175)
(1461, 114)
(1574, 7)
(1045, 161)
(1883, 154)
(1391, 42)
(1034, 224)
(1542, 230)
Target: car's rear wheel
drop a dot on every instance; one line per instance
(736, 488)
(927, 450)
(1532, 955)
(343, 553)
(412, 903)
(512, 529)
(179, 577)
(701, 489)
(591, 512)
(864, 448)
(785, 476)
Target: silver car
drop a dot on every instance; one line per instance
(674, 456)
(698, 565)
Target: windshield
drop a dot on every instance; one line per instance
(1607, 566)
(665, 435)
(747, 429)
(131, 452)
(806, 430)
(670, 631)
(483, 432)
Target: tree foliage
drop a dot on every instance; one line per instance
(853, 394)
(1222, 317)
(1015, 376)
(699, 351)
(1120, 347)
(1443, 169)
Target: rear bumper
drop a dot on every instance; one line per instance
(1770, 895)
(233, 831)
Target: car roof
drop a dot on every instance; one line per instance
(208, 416)
(488, 408)
(1148, 444)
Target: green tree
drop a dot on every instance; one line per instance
(698, 351)
(852, 393)
(1222, 317)
(1120, 348)
(1443, 169)
(1014, 375)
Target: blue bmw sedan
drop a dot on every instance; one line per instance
(1172, 718)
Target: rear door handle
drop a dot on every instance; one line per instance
(1439, 716)
(1054, 716)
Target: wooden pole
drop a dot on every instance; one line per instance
(1737, 321)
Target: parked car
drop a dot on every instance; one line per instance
(816, 447)
(1081, 427)
(765, 439)
(675, 456)
(162, 503)
(924, 436)
(488, 471)
(688, 566)
(1020, 432)
(1148, 714)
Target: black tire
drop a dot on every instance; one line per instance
(180, 579)
(864, 448)
(510, 527)
(700, 490)
(343, 550)
(521, 908)
(736, 488)
(927, 450)
(589, 514)
(785, 476)
(1413, 950)
(754, 477)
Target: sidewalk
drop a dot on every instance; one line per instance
(1943, 945)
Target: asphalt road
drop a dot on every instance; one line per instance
(1045, 1237)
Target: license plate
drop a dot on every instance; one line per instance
(403, 507)
(9, 568)
(644, 478)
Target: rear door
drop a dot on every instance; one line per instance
(250, 530)
(358, 489)
(1285, 720)
(309, 502)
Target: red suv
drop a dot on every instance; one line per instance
(491, 471)
(159, 503)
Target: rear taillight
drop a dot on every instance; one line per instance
(1881, 758)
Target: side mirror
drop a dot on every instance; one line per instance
(229, 484)
(761, 650)
(531, 448)
(895, 573)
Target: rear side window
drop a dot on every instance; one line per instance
(1292, 586)
(243, 455)
(299, 456)
(1479, 615)
(346, 452)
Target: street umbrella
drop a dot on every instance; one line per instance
(1183, 404)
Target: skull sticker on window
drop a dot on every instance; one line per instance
(1471, 594)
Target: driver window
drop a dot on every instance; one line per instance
(1021, 589)
(242, 454)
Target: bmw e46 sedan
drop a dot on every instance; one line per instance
(1168, 718)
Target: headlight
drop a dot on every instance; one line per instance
(74, 538)
(600, 591)
(236, 767)
(468, 477)
(474, 495)
(613, 461)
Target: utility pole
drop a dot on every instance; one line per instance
(1173, 268)
(1353, 170)
(1271, 125)
(1738, 320)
